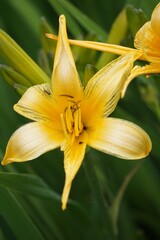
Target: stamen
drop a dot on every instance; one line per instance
(76, 121)
(69, 119)
(64, 126)
(80, 125)
(72, 138)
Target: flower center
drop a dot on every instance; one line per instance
(71, 120)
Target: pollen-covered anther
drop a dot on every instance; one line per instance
(69, 119)
(72, 119)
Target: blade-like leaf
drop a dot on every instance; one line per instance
(28, 184)
(71, 23)
(20, 61)
(15, 216)
(14, 75)
(83, 19)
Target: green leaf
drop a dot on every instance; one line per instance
(15, 79)
(83, 19)
(15, 216)
(28, 184)
(20, 61)
(28, 13)
(71, 23)
(37, 209)
(32, 185)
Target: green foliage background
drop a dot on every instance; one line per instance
(30, 192)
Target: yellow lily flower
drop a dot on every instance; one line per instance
(146, 42)
(68, 116)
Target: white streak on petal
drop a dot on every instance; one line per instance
(30, 141)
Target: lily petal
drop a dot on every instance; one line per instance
(155, 19)
(148, 41)
(149, 69)
(30, 141)
(120, 138)
(73, 157)
(38, 104)
(104, 89)
(65, 79)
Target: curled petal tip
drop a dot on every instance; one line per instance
(62, 18)
(62, 28)
(65, 194)
(6, 161)
(62, 23)
(63, 206)
(148, 147)
(2, 163)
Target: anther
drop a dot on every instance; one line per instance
(66, 95)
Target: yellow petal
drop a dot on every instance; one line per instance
(155, 20)
(73, 157)
(103, 90)
(30, 141)
(65, 80)
(38, 104)
(149, 69)
(120, 138)
(148, 41)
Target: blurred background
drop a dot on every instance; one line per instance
(110, 198)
